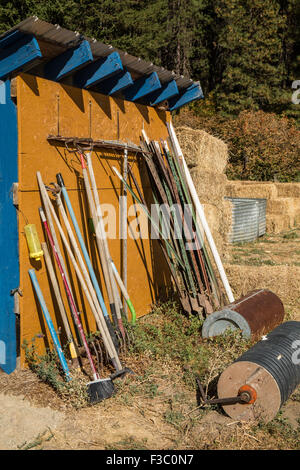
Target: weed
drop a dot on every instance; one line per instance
(42, 437)
(129, 443)
(174, 417)
(48, 369)
(290, 235)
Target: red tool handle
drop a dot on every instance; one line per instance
(72, 303)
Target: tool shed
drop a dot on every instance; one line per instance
(57, 85)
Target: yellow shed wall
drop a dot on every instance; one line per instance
(44, 108)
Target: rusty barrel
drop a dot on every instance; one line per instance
(269, 372)
(254, 314)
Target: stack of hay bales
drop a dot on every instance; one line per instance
(283, 201)
(206, 157)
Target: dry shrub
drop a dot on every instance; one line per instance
(202, 149)
(262, 146)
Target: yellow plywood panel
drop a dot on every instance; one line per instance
(44, 108)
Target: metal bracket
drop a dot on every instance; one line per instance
(242, 398)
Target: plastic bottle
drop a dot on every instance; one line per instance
(35, 249)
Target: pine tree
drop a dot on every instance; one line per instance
(249, 55)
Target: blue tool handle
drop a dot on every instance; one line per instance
(49, 323)
(82, 244)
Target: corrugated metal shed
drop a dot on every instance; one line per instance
(248, 219)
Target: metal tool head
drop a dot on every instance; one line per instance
(99, 390)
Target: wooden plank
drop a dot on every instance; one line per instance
(142, 87)
(194, 92)
(101, 69)
(116, 83)
(69, 62)
(167, 91)
(19, 54)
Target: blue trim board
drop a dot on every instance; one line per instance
(99, 70)
(9, 272)
(194, 92)
(167, 91)
(10, 38)
(142, 86)
(18, 54)
(69, 62)
(116, 83)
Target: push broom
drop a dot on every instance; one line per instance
(91, 297)
(99, 319)
(98, 389)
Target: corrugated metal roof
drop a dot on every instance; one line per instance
(248, 219)
(64, 38)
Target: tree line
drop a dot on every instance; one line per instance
(244, 52)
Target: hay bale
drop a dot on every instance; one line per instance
(251, 189)
(202, 149)
(281, 206)
(219, 219)
(278, 223)
(209, 185)
(282, 280)
(288, 190)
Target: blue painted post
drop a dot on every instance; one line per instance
(18, 55)
(141, 87)
(69, 62)
(49, 323)
(9, 273)
(99, 70)
(167, 91)
(116, 83)
(194, 92)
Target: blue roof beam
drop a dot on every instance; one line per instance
(118, 82)
(142, 87)
(18, 52)
(101, 69)
(69, 62)
(167, 91)
(193, 92)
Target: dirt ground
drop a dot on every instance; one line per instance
(156, 409)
